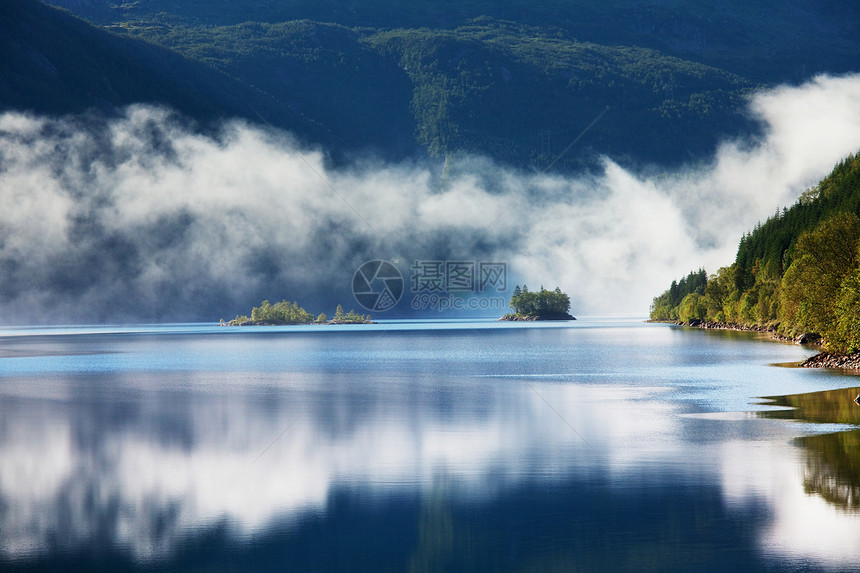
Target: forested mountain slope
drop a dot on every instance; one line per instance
(665, 80)
(511, 92)
(766, 40)
(52, 62)
(799, 271)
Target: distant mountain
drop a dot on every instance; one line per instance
(322, 71)
(512, 92)
(765, 40)
(522, 95)
(659, 82)
(55, 63)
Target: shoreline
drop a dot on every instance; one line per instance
(833, 361)
(531, 318)
(820, 360)
(312, 323)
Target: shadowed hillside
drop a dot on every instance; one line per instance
(767, 40)
(52, 62)
(660, 82)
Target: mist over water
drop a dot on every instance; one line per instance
(142, 218)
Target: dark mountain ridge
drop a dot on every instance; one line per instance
(768, 40)
(55, 63)
(516, 82)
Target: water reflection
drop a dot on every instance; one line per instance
(141, 469)
(825, 407)
(471, 464)
(832, 468)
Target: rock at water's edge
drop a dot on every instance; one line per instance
(824, 360)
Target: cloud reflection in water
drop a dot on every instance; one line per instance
(144, 463)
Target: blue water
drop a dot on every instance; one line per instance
(411, 446)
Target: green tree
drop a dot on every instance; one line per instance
(667, 305)
(846, 334)
(280, 313)
(824, 258)
(693, 307)
(540, 304)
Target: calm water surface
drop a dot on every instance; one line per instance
(423, 446)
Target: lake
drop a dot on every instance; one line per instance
(600, 444)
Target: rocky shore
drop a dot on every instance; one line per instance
(805, 338)
(727, 326)
(271, 323)
(824, 360)
(529, 317)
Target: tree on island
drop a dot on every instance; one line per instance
(285, 313)
(544, 304)
(280, 313)
(350, 317)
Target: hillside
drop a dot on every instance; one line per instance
(797, 272)
(52, 62)
(767, 41)
(667, 79)
(493, 88)
(321, 71)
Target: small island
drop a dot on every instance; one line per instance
(286, 313)
(541, 305)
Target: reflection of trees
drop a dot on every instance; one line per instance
(441, 543)
(833, 468)
(575, 528)
(828, 407)
(832, 460)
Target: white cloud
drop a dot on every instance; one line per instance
(146, 217)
